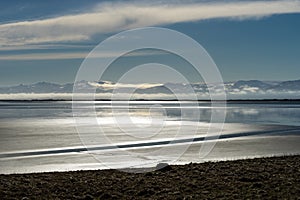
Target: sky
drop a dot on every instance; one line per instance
(48, 40)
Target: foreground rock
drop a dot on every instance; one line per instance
(261, 178)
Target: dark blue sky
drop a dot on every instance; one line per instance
(265, 48)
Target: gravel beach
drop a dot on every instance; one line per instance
(259, 178)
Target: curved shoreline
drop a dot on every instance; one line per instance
(146, 144)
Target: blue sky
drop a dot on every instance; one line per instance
(48, 40)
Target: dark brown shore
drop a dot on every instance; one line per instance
(260, 178)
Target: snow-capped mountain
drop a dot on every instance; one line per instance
(237, 89)
(40, 87)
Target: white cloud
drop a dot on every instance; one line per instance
(108, 18)
(45, 56)
(111, 86)
(230, 95)
(73, 55)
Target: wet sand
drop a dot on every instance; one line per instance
(259, 178)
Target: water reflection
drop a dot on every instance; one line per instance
(264, 113)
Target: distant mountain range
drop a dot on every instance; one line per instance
(234, 89)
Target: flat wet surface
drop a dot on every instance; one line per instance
(42, 136)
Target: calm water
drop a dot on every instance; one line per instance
(42, 136)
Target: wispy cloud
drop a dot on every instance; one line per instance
(109, 18)
(74, 55)
(45, 56)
